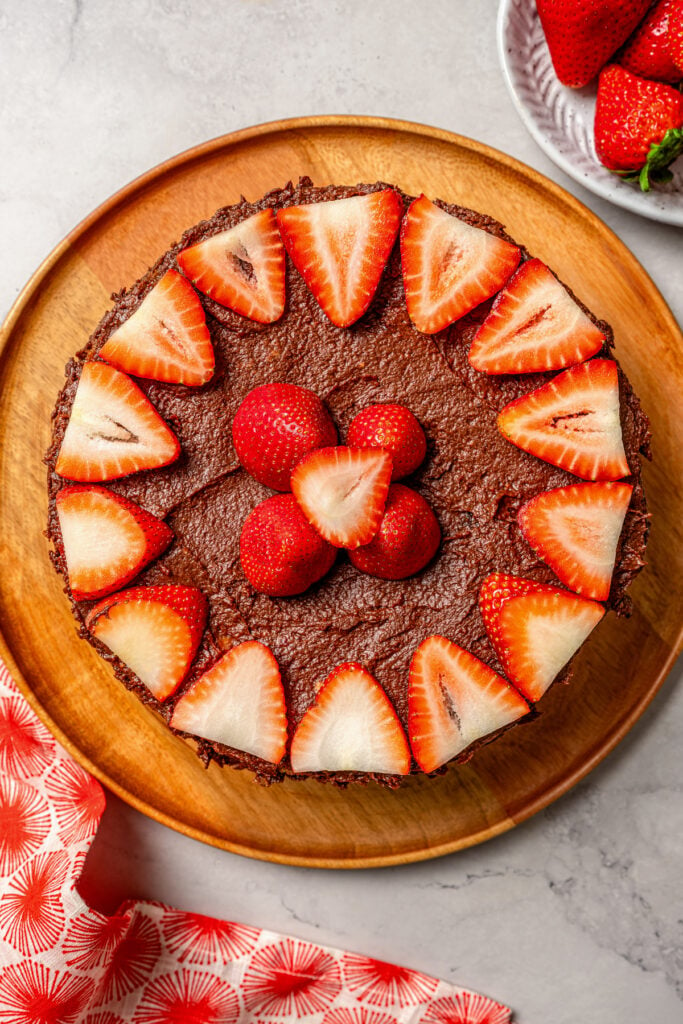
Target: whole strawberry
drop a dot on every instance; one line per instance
(674, 38)
(583, 34)
(638, 126)
(646, 53)
(280, 552)
(407, 538)
(275, 426)
(394, 428)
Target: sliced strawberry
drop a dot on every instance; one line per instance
(242, 268)
(113, 429)
(240, 702)
(449, 266)
(535, 628)
(454, 700)
(352, 727)
(341, 247)
(166, 338)
(275, 426)
(575, 530)
(407, 537)
(155, 631)
(280, 552)
(572, 422)
(342, 492)
(107, 539)
(534, 325)
(394, 428)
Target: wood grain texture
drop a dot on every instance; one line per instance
(123, 743)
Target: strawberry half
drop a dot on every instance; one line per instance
(534, 325)
(449, 267)
(352, 727)
(155, 631)
(576, 530)
(394, 428)
(113, 429)
(342, 492)
(275, 426)
(572, 422)
(407, 537)
(242, 268)
(280, 552)
(454, 700)
(535, 628)
(239, 702)
(166, 338)
(107, 539)
(583, 34)
(341, 247)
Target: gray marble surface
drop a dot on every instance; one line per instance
(576, 915)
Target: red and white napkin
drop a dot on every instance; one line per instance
(60, 961)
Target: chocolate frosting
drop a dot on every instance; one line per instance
(472, 477)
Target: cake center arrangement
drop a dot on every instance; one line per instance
(342, 484)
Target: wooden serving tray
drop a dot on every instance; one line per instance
(123, 743)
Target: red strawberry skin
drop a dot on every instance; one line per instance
(583, 34)
(646, 53)
(674, 42)
(394, 428)
(281, 553)
(275, 426)
(84, 502)
(407, 538)
(637, 125)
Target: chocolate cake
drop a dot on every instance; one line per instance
(473, 478)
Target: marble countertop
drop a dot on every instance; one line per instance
(576, 915)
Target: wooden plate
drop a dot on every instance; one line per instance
(121, 742)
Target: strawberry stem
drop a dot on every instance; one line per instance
(655, 170)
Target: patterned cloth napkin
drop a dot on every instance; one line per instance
(63, 963)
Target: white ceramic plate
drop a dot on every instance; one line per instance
(561, 119)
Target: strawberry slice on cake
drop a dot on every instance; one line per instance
(341, 247)
(576, 530)
(239, 702)
(572, 422)
(107, 539)
(352, 727)
(242, 268)
(534, 325)
(449, 266)
(166, 338)
(535, 628)
(454, 700)
(113, 429)
(155, 631)
(343, 491)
